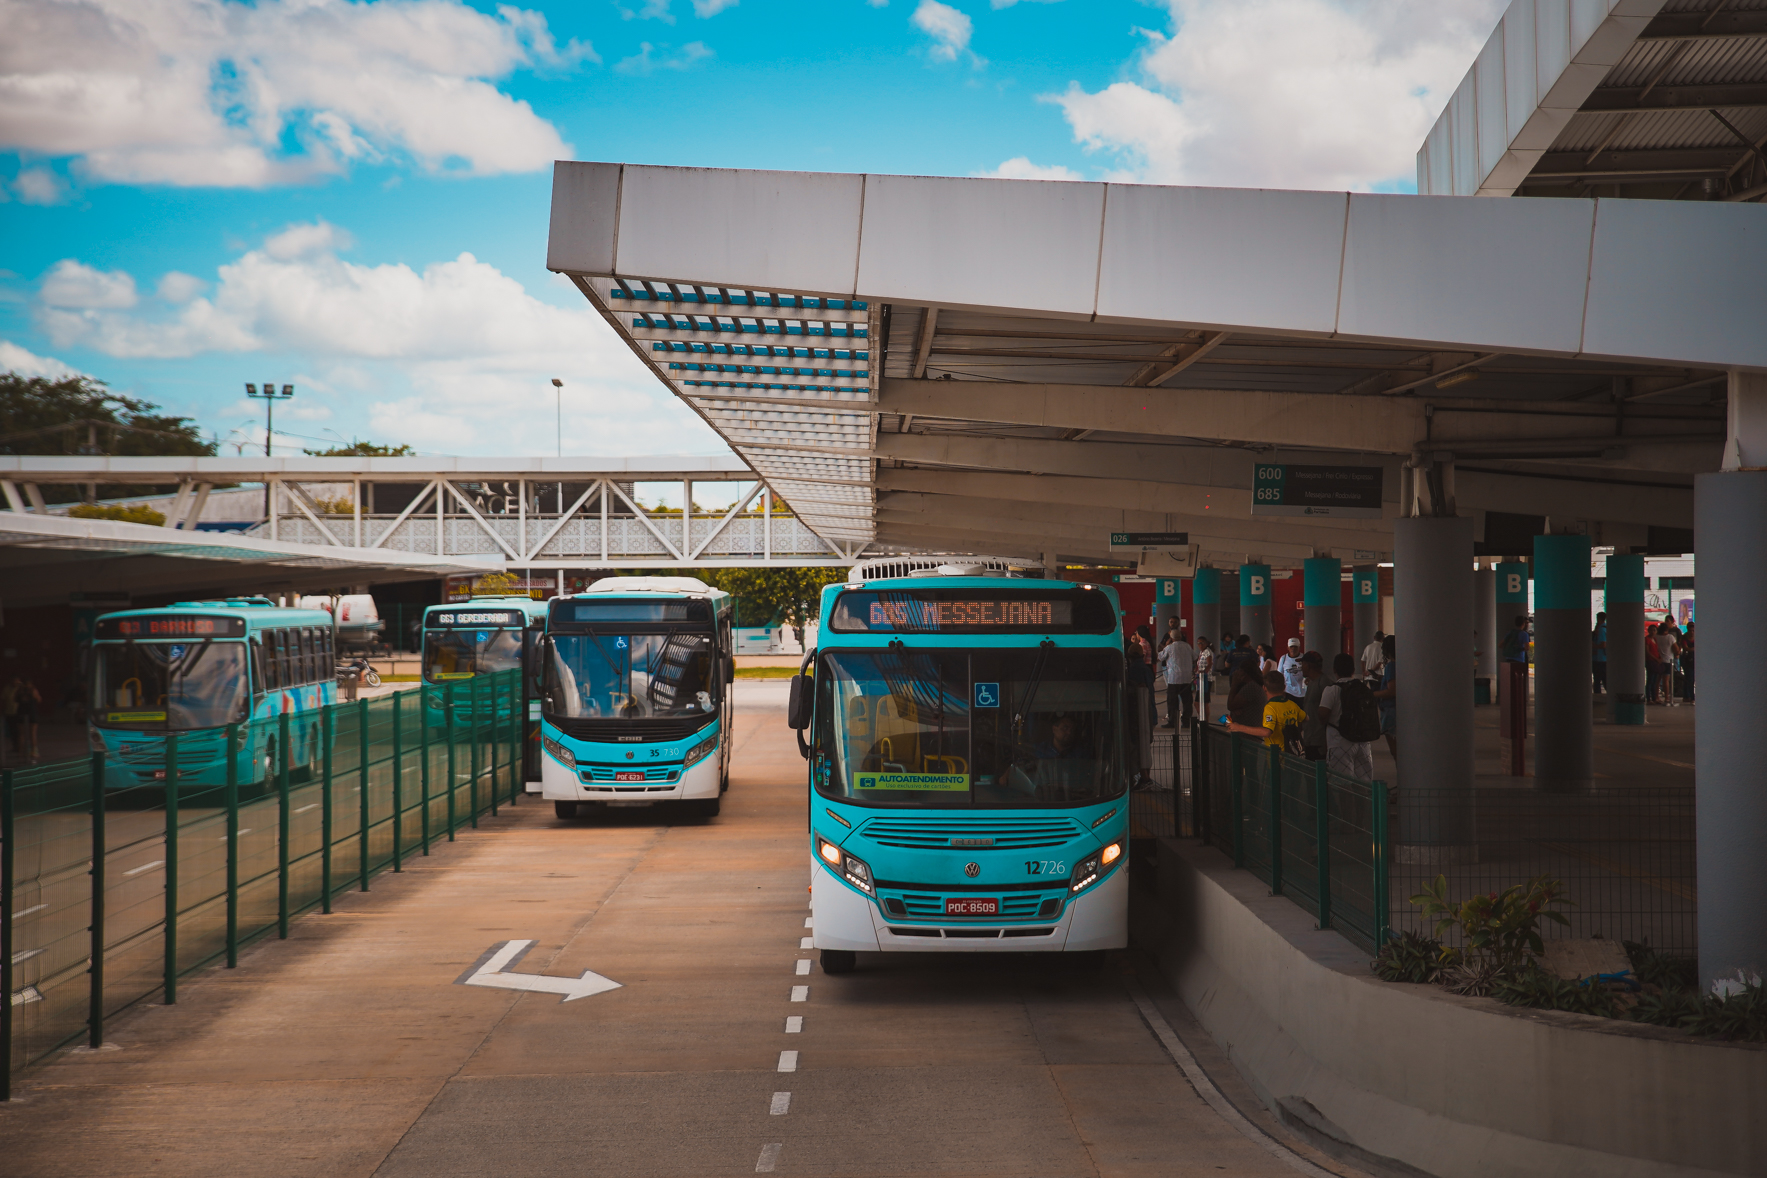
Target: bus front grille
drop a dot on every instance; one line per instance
(1002, 834)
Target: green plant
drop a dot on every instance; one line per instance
(134, 513)
(1408, 957)
(1659, 969)
(1530, 986)
(1503, 927)
(1739, 1016)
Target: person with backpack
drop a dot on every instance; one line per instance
(1352, 721)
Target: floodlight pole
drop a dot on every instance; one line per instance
(269, 396)
(558, 388)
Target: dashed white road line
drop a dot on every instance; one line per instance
(146, 867)
(243, 831)
(794, 1025)
(769, 1158)
(807, 943)
(31, 909)
(781, 1104)
(807, 923)
(800, 993)
(788, 1061)
(304, 809)
(803, 966)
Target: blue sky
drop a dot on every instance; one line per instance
(352, 197)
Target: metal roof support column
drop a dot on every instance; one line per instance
(1730, 517)
(1322, 608)
(194, 515)
(356, 509)
(521, 520)
(1624, 605)
(767, 524)
(603, 484)
(1432, 594)
(441, 516)
(272, 506)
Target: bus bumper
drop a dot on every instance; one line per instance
(559, 784)
(841, 918)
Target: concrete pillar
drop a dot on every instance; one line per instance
(1625, 639)
(1512, 598)
(1254, 603)
(1322, 606)
(1486, 631)
(1564, 734)
(1433, 598)
(1730, 517)
(1365, 604)
(1205, 606)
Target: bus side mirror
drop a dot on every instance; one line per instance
(729, 668)
(797, 709)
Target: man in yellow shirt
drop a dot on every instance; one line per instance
(1283, 717)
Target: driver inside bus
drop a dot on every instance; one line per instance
(1062, 763)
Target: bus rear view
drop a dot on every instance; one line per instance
(967, 772)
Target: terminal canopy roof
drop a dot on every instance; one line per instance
(1024, 367)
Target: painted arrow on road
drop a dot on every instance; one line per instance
(489, 970)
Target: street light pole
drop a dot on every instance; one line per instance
(558, 387)
(269, 396)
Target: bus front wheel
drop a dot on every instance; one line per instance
(835, 961)
(707, 807)
(565, 809)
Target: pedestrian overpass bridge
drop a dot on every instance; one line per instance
(307, 522)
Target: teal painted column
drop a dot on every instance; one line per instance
(1365, 604)
(1322, 607)
(1205, 606)
(1625, 639)
(1254, 603)
(1564, 750)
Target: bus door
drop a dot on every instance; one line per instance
(530, 726)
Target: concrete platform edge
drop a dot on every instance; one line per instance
(1458, 1087)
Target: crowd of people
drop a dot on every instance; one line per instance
(1289, 700)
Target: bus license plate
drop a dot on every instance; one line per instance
(634, 775)
(972, 907)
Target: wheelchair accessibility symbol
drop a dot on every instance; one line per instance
(987, 695)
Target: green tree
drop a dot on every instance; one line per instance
(80, 415)
(361, 449)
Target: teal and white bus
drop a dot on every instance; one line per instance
(968, 779)
(195, 667)
(482, 636)
(635, 696)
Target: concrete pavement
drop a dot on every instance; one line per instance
(350, 1050)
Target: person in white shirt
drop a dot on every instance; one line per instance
(1372, 658)
(1290, 666)
(1205, 670)
(1666, 651)
(1349, 757)
(1178, 660)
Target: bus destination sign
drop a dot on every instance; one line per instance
(171, 626)
(1345, 492)
(959, 611)
(479, 617)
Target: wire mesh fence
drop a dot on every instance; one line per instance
(122, 874)
(1624, 857)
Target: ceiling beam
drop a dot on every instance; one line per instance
(923, 340)
(1705, 25)
(1635, 99)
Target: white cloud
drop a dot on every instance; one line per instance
(997, 4)
(177, 287)
(75, 285)
(16, 359)
(949, 29)
(642, 63)
(705, 8)
(455, 358)
(652, 10)
(299, 240)
(204, 92)
(38, 186)
(1284, 93)
(1021, 168)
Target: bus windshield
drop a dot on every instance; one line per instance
(170, 686)
(461, 653)
(631, 676)
(996, 727)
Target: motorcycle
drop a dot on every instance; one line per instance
(359, 670)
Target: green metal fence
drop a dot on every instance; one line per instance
(1315, 836)
(120, 878)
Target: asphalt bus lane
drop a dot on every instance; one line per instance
(728, 1051)
(358, 1048)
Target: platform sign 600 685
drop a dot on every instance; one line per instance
(1284, 488)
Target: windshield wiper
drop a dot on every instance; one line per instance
(1018, 720)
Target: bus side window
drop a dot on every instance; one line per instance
(309, 658)
(257, 656)
(328, 664)
(272, 665)
(285, 670)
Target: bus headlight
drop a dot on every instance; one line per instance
(700, 751)
(1095, 865)
(851, 868)
(559, 752)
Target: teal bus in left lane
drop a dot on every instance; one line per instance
(198, 666)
